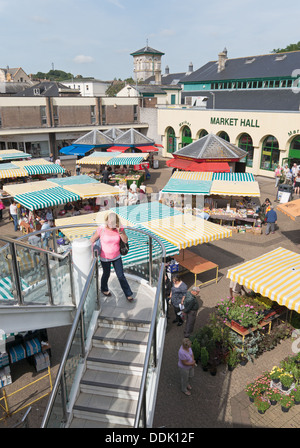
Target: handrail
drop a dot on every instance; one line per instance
(69, 343)
(148, 350)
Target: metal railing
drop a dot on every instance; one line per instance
(59, 398)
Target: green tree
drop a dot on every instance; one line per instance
(291, 47)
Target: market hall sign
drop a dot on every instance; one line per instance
(234, 122)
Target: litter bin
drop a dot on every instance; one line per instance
(284, 188)
(155, 164)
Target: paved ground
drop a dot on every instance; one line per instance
(216, 402)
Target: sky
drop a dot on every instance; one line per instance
(94, 38)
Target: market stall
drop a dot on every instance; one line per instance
(13, 154)
(48, 197)
(274, 275)
(11, 171)
(39, 166)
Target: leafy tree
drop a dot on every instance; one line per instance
(291, 47)
(54, 75)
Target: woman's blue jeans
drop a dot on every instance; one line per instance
(15, 218)
(118, 266)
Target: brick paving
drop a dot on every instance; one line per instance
(216, 401)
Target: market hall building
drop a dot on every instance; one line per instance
(252, 102)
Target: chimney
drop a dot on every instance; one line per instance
(222, 60)
(157, 77)
(167, 71)
(191, 68)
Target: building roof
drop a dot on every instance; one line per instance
(113, 133)
(146, 50)
(48, 88)
(211, 147)
(132, 137)
(94, 138)
(172, 79)
(263, 66)
(252, 99)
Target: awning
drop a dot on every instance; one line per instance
(234, 177)
(12, 154)
(6, 288)
(46, 198)
(191, 165)
(275, 275)
(127, 159)
(291, 209)
(227, 188)
(13, 172)
(96, 159)
(187, 230)
(86, 191)
(76, 150)
(40, 166)
(73, 180)
(28, 187)
(118, 148)
(192, 175)
(149, 148)
(138, 243)
(195, 187)
(137, 214)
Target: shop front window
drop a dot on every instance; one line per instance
(224, 136)
(245, 143)
(171, 140)
(186, 136)
(203, 133)
(270, 154)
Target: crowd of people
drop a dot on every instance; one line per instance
(289, 176)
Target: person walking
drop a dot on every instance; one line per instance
(14, 214)
(178, 292)
(186, 363)
(105, 176)
(2, 207)
(271, 217)
(277, 175)
(190, 309)
(109, 235)
(297, 183)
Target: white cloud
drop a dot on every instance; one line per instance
(82, 59)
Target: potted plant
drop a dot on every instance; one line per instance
(275, 374)
(204, 358)
(262, 403)
(295, 394)
(286, 380)
(274, 395)
(232, 359)
(286, 402)
(253, 391)
(196, 348)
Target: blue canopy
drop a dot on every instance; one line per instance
(76, 150)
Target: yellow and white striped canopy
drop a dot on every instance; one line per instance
(24, 163)
(232, 188)
(186, 230)
(83, 232)
(96, 159)
(18, 172)
(28, 187)
(275, 275)
(192, 175)
(86, 191)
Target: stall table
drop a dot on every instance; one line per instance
(196, 265)
(232, 218)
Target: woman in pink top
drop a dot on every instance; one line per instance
(186, 363)
(110, 234)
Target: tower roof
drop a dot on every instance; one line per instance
(147, 50)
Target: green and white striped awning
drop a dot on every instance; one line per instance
(46, 198)
(179, 186)
(145, 212)
(134, 159)
(44, 169)
(73, 180)
(234, 177)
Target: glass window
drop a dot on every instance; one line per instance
(225, 136)
(186, 136)
(245, 143)
(270, 154)
(203, 133)
(43, 115)
(171, 140)
(93, 115)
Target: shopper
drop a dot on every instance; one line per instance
(297, 183)
(178, 292)
(271, 220)
(277, 175)
(186, 363)
(14, 214)
(109, 235)
(2, 207)
(190, 309)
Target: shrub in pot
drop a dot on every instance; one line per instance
(204, 358)
(262, 403)
(232, 359)
(286, 402)
(286, 380)
(295, 394)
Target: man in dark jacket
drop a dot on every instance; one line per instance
(271, 220)
(191, 307)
